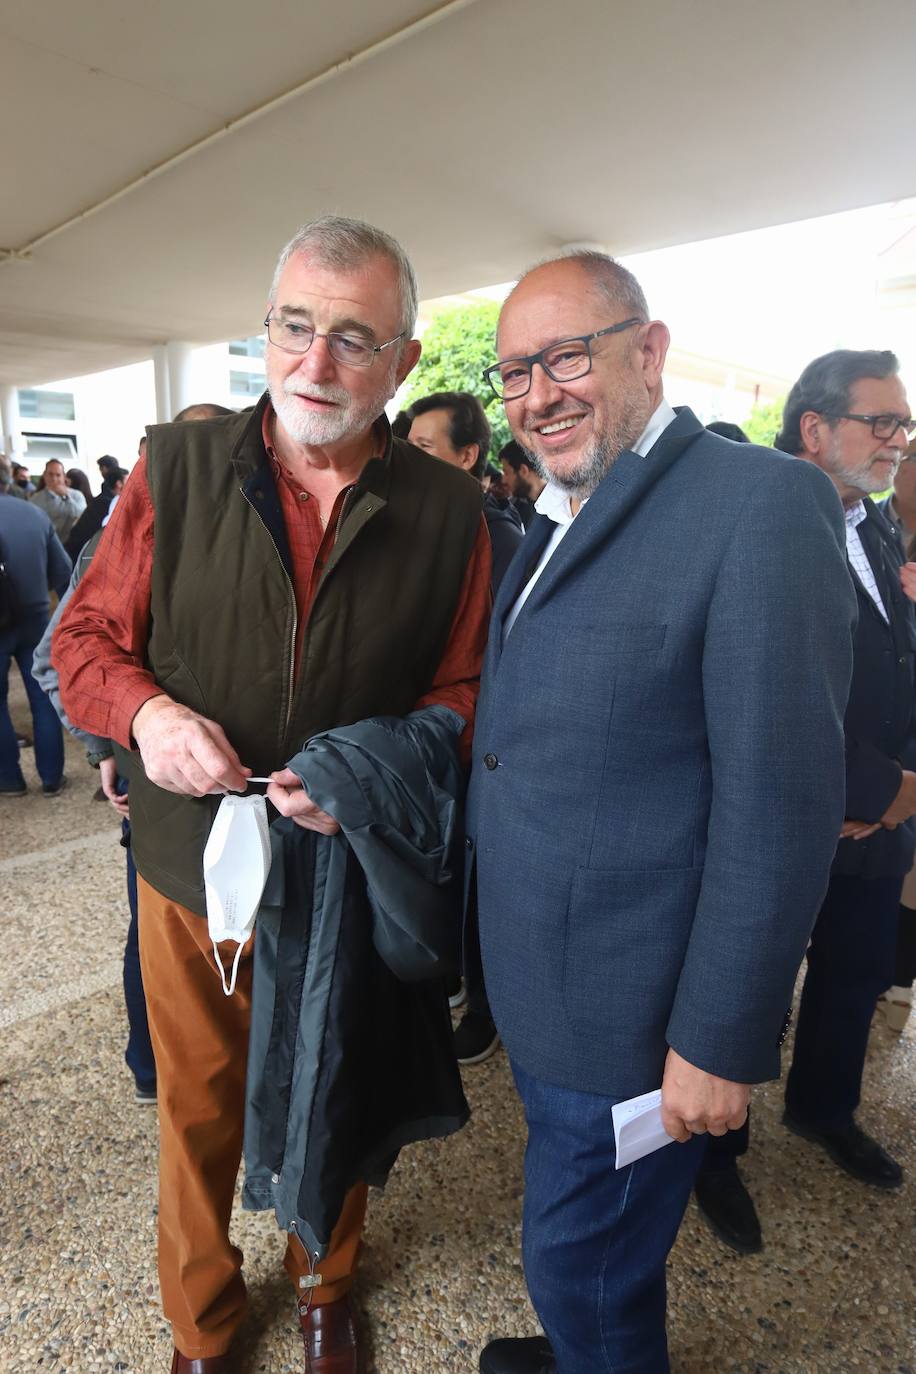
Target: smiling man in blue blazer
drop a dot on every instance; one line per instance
(679, 623)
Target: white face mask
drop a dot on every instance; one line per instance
(236, 865)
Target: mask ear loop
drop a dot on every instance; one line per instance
(230, 989)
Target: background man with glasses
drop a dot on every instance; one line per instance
(678, 807)
(848, 415)
(266, 576)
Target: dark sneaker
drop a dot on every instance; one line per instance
(145, 1096)
(729, 1208)
(475, 1038)
(853, 1150)
(54, 789)
(522, 1355)
(13, 789)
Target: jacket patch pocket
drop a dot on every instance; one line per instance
(626, 936)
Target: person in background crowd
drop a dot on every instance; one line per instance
(106, 464)
(897, 1001)
(726, 430)
(101, 754)
(33, 560)
(400, 425)
(22, 480)
(202, 410)
(848, 415)
(522, 480)
(8, 486)
(78, 481)
(318, 507)
(677, 833)
(491, 474)
(96, 513)
(62, 504)
(453, 426)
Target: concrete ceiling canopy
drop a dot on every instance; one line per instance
(156, 158)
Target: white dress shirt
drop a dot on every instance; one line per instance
(554, 502)
(858, 557)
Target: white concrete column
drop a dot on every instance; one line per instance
(178, 356)
(161, 377)
(11, 441)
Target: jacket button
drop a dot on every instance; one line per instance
(490, 761)
(468, 842)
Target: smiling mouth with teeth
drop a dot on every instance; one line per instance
(558, 425)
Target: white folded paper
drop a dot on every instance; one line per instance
(638, 1128)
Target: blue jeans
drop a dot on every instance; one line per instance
(139, 1053)
(595, 1240)
(18, 642)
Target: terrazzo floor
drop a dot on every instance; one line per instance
(834, 1289)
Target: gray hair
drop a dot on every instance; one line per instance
(611, 279)
(824, 387)
(346, 244)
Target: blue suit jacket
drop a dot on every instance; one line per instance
(658, 778)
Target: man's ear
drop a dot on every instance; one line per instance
(410, 356)
(469, 455)
(653, 342)
(809, 427)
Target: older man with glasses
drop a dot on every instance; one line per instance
(678, 805)
(265, 577)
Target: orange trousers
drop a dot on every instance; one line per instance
(200, 1041)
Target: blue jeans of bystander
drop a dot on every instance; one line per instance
(18, 642)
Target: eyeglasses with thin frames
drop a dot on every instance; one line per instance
(882, 426)
(295, 337)
(563, 361)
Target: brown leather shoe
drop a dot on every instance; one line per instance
(207, 1364)
(329, 1337)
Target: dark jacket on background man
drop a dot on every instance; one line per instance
(506, 533)
(354, 936)
(34, 557)
(880, 724)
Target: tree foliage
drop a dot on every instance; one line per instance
(764, 422)
(459, 343)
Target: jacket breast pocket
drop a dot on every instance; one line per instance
(626, 936)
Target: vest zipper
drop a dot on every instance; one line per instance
(292, 598)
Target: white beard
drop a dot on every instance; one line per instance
(347, 420)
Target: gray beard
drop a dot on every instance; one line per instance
(597, 460)
(317, 430)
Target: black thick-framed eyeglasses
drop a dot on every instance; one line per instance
(295, 337)
(882, 426)
(563, 361)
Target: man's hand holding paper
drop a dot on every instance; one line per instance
(694, 1101)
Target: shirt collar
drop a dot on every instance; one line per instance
(855, 515)
(554, 500)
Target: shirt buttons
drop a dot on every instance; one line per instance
(303, 496)
(490, 761)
